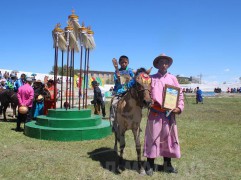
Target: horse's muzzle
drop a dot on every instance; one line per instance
(147, 103)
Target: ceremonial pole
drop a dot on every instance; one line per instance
(59, 41)
(87, 77)
(68, 30)
(84, 87)
(80, 75)
(62, 74)
(73, 81)
(82, 37)
(70, 75)
(89, 46)
(73, 19)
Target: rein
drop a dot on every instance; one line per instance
(137, 92)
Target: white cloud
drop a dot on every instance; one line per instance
(227, 70)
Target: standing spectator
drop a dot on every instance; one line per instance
(199, 97)
(10, 82)
(228, 90)
(38, 103)
(49, 102)
(3, 84)
(98, 99)
(20, 82)
(25, 98)
(161, 135)
(1, 76)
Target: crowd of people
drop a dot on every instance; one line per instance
(234, 90)
(34, 95)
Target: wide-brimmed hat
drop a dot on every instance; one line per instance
(29, 79)
(161, 57)
(3, 80)
(51, 81)
(38, 81)
(12, 75)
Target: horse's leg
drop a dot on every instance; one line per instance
(1, 111)
(122, 147)
(136, 133)
(14, 110)
(4, 112)
(115, 146)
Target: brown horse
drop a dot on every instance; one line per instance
(129, 114)
(7, 97)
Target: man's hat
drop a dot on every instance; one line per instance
(3, 80)
(51, 81)
(12, 75)
(29, 79)
(38, 81)
(161, 57)
(94, 83)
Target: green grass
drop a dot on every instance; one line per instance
(209, 134)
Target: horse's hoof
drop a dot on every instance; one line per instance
(142, 172)
(122, 167)
(117, 171)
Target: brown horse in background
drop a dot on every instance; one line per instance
(129, 114)
(8, 97)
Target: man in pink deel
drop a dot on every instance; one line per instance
(161, 136)
(25, 98)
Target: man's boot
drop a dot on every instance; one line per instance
(167, 166)
(150, 166)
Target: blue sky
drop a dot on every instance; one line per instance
(202, 36)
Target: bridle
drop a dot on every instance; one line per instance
(138, 88)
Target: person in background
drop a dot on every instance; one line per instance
(38, 103)
(3, 84)
(161, 135)
(20, 82)
(49, 102)
(120, 87)
(25, 98)
(98, 99)
(10, 82)
(199, 97)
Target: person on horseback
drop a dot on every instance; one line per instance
(123, 79)
(161, 137)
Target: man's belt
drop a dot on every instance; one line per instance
(157, 108)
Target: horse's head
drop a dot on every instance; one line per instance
(143, 86)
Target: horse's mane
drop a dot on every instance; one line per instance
(140, 70)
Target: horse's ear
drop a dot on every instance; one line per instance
(134, 71)
(149, 71)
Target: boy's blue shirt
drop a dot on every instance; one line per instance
(122, 88)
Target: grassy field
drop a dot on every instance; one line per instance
(209, 134)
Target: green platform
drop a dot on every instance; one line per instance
(70, 125)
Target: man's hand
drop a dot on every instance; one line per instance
(176, 110)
